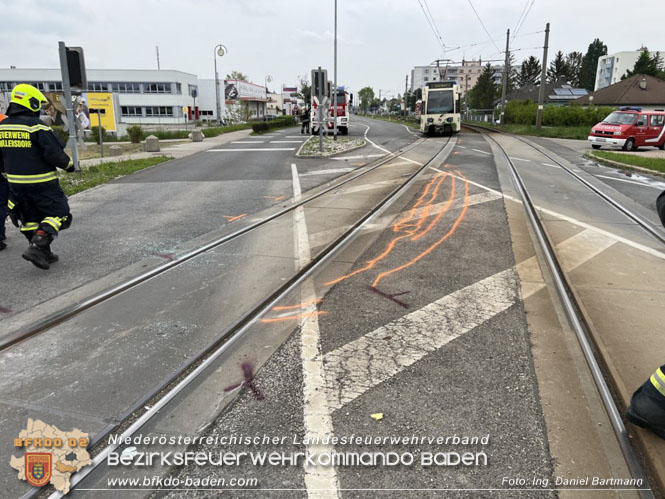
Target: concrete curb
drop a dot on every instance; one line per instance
(623, 166)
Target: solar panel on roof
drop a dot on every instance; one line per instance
(562, 91)
(580, 91)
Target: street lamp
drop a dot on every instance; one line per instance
(268, 79)
(220, 50)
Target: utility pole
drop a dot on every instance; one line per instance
(157, 49)
(335, 85)
(406, 87)
(505, 78)
(321, 86)
(541, 92)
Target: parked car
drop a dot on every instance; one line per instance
(630, 128)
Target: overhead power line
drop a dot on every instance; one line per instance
(524, 18)
(432, 24)
(483, 25)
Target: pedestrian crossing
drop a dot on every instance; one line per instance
(273, 142)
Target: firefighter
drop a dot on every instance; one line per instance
(29, 155)
(305, 120)
(4, 201)
(647, 406)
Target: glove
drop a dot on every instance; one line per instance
(70, 166)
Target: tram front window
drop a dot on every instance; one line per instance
(440, 102)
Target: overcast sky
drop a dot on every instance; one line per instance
(378, 41)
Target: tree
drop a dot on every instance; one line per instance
(646, 64)
(529, 72)
(513, 75)
(558, 68)
(237, 75)
(574, 64)
(484, 92)
(305, 92)
(366, 96)
(596, 50)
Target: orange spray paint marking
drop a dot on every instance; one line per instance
(399, 225)
(440, 215)
(275, 199)
(296, 316)
(230, 218)
(437, 243)
(391, 245)
(299, 305)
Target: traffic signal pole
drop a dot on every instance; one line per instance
(64, 69)
(505, 77)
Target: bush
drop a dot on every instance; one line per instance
(59, 130)
(524, 113)
(135, 134)
(280, 122)
(95, 133)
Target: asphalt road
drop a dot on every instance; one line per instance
(141, 220)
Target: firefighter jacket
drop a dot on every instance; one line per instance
(29, 150)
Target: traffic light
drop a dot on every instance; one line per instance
(76, 66)
(319, 82)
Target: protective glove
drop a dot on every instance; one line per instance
(70, 166)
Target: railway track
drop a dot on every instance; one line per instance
(159, 397)
(568, 302)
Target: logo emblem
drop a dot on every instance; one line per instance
(38, 468)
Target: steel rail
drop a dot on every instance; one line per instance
(644, 224)
(237, 330)
(573, 316)
(66, 313)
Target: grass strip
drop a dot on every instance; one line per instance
(394, 119)
(656, 164)
(103, 173)
(553, 132)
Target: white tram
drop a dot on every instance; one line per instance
(440, 108)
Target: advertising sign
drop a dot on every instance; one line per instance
(235, 90)
(102, 101)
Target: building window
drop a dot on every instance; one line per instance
(157, 88)
(127, 88)
(159, 111)
(130, 111)
(426, 78)
(178, 88)
(192, 88)
(205, 113)
(98, 86)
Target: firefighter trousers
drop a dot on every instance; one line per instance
(41, 206)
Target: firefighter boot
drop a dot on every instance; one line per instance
(50, 256)
(647, 407)
(38, 252)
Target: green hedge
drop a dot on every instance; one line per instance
(264, 126)
(524, 113)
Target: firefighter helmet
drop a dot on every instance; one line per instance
(28, 96)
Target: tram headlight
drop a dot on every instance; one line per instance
(430, 120)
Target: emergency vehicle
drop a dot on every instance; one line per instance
(342, 113)
(630, 128)
(440, 108)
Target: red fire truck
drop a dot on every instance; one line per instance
(630, 128)
(342, 113)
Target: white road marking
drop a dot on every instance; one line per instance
(574, 221)
(248, 142)
(630, 182)
(262, 149)
(326, 236)
(327, 172)
(548, 164)
(409, 130)
(343, 158)
(321, 482)
(411, 160)
(519, 159)
(285, 141)
(303, 136)
(375, 145)
(482, 152)
(358, 366)
(462, 147)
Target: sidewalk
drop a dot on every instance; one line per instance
(177, 151)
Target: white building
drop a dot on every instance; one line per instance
(466, 75)
(612, 67)
(147, 97)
